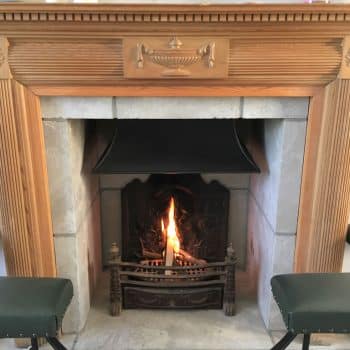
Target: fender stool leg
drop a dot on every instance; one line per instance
(54, 342)
(285, 341)
(34, 343)
(306, 341)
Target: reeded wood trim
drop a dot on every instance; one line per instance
(325, 198)
(307, 195)
(24, 204)
(4, 64)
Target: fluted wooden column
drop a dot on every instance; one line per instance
(24, 201)
(325, 198)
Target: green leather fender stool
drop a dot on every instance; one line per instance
(312, 303)
(34, 308)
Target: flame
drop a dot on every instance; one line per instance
(171, 229)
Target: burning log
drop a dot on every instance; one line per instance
(172, 250)
(183, 255)
(146, 253)
(150, 255)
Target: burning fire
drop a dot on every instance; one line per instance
(173, 250)
(170, 231)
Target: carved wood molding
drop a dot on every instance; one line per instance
(89, 45)
(175, 13)
(110, 62)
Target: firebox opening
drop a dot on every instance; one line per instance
(174, 245)
(262, 212)
(176, 249)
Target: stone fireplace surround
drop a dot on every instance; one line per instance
(86, 210)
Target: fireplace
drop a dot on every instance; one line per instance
(174, 241)
(93, 54)
(174, 251)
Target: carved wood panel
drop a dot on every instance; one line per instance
(175, 57)
(106, 45)
(210, 59)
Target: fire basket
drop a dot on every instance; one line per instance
(185, 285)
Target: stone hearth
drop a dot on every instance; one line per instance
(264, 206)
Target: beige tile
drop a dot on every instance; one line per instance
(66, 261)
(275, 107)
(290, 175)
(277, 187)
(58, 157)
(177, 107)
(67, 107)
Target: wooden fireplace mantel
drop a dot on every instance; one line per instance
(60, 49)
(140, 50)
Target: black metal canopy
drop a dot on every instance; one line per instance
(175, 146)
